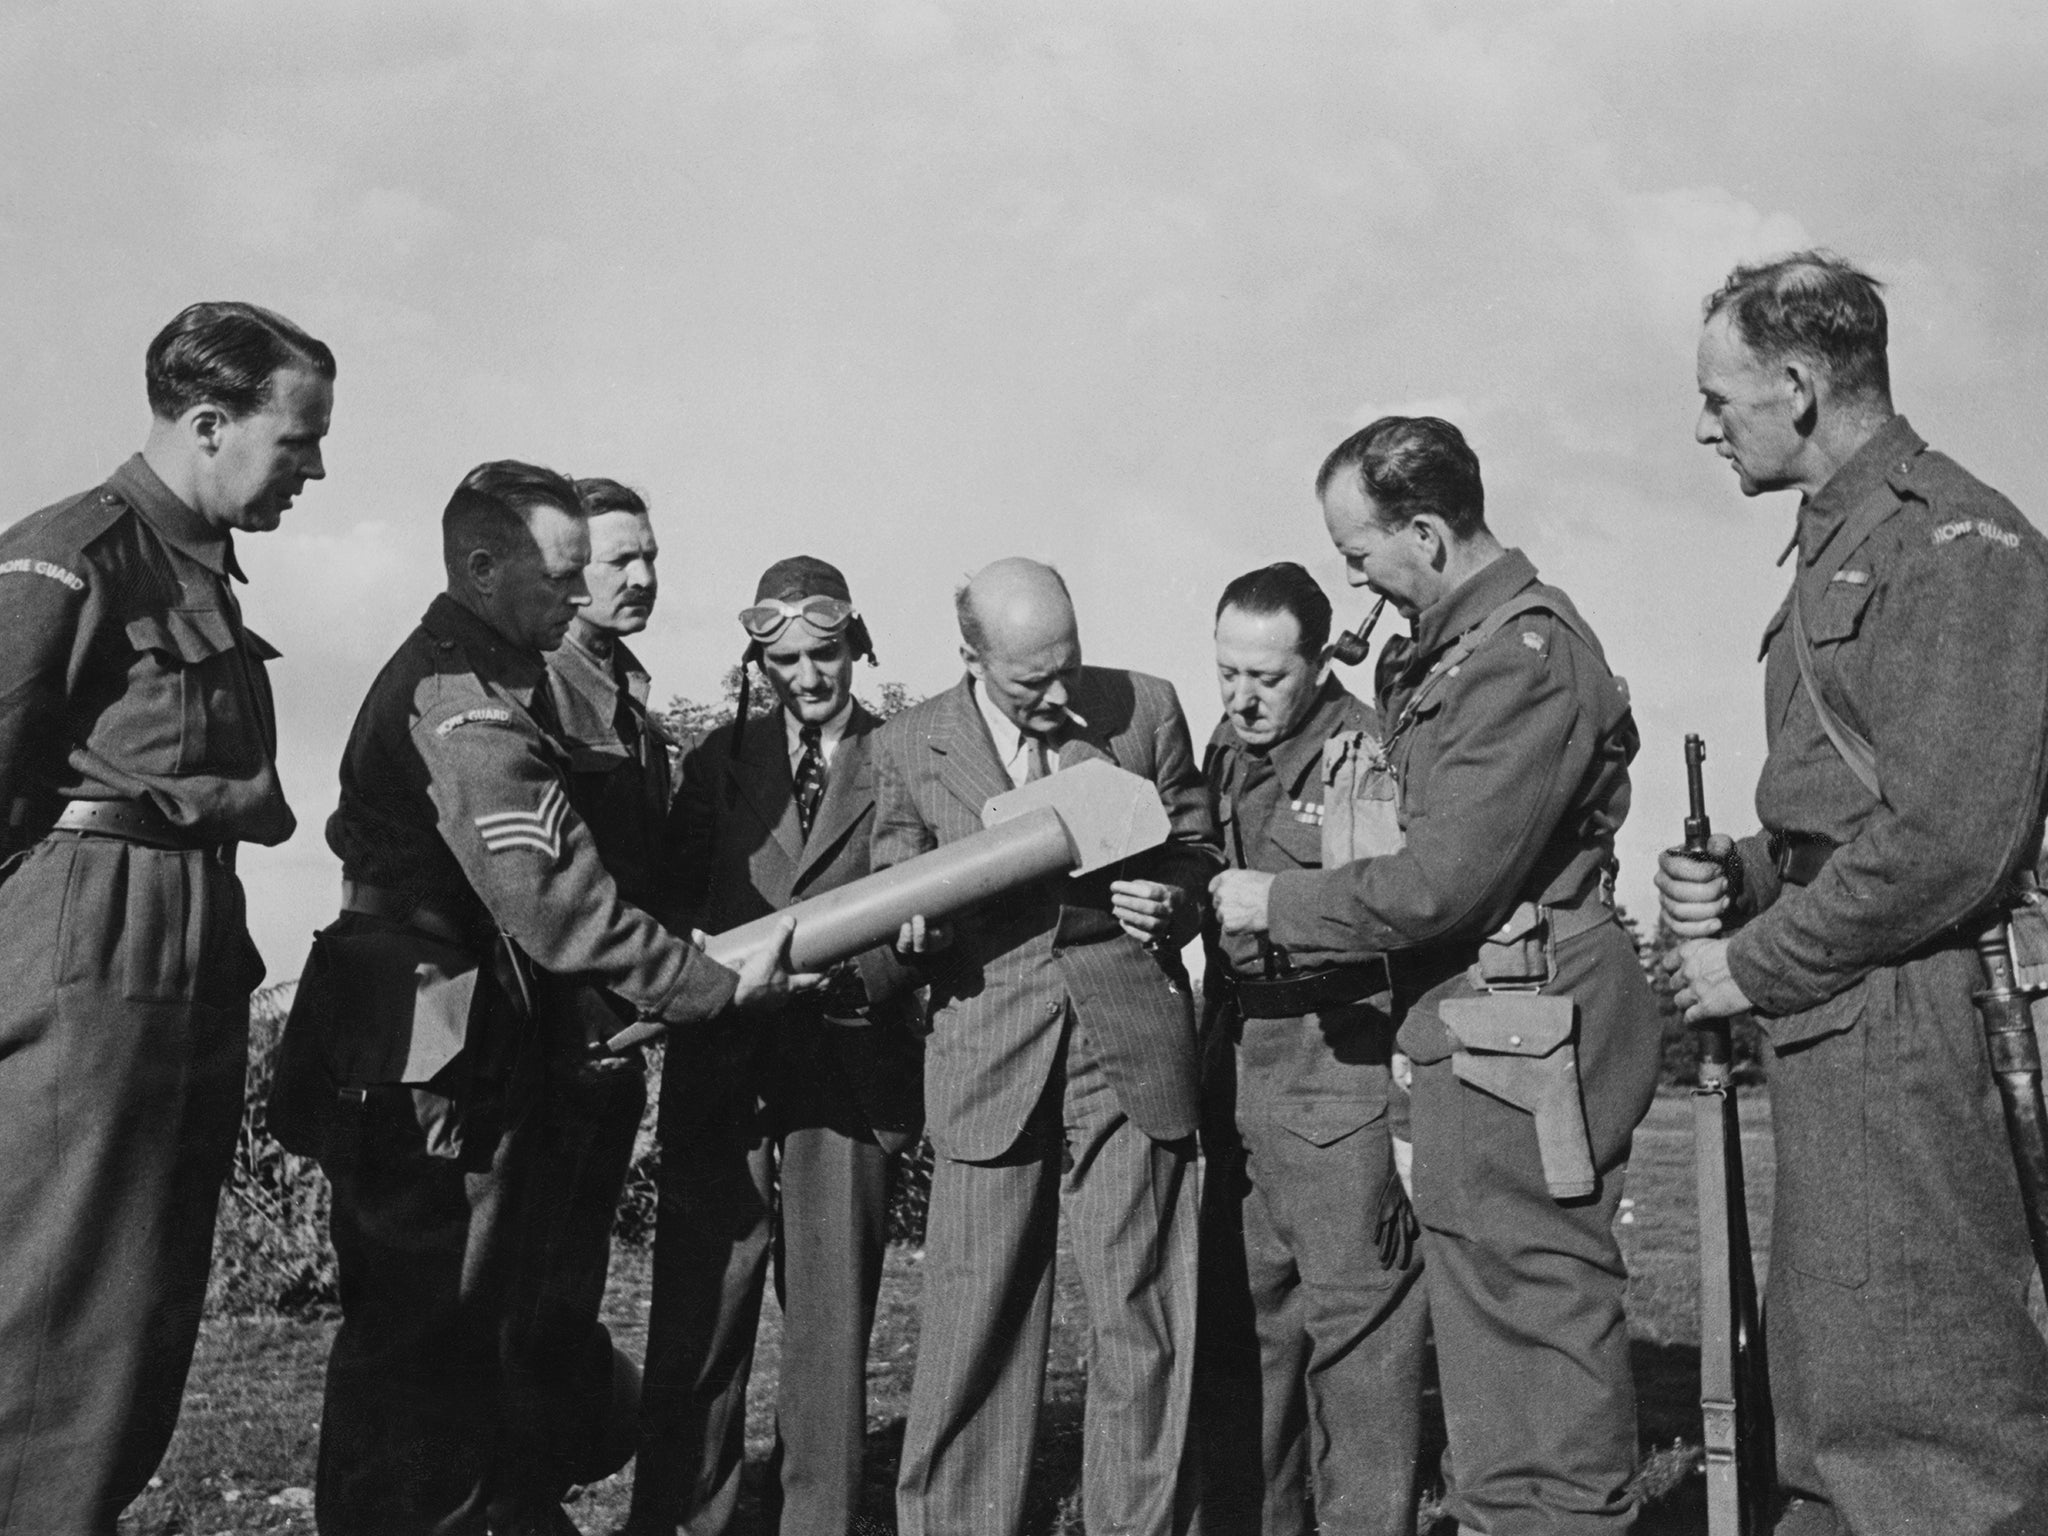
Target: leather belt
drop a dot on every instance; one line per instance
(137, 821)
(1800, 856)
(1291, 997)
(397, 907)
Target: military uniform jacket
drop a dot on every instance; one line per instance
(1323, 1076)
(1280, 820)
(738, 848)
(619, 780)
(1001, 993)
(126, 672)
(454, 796)
(1513, 776)
(1925, 595)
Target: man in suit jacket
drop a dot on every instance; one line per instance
(781, 1134)
(1062, 1055)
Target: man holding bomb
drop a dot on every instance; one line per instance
(1521, 1002)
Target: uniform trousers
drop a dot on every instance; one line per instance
(990, 1248)
(564, 1425)
(1525, 1291)
(413, 1424)
(1308, 1373)
(808, 1189)
(125, 974)
(1909, 1384)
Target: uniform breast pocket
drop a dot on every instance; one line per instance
(1837, 613)
(1298, 836)
(188, 701)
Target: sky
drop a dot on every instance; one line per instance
(913, 286)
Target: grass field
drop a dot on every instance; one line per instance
(243, 1457)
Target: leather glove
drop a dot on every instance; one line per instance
(1396, 1229)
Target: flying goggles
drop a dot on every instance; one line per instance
(771, 616)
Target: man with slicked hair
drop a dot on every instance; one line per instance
(138, 747)
(1906, 711)
(1061, 1060)
(1308, 1360)
(411, 1065)
(777, 1142)
(1504, 773)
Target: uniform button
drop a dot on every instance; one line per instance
(1514, 1039)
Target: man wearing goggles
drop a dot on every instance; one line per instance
(792, 1126)
(766, 620)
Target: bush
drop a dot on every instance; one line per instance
(270, 1250)
(910, 1184)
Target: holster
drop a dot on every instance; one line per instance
(1516, 1043)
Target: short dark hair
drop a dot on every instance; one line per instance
(1283, 587)
(490, 507)
(1814, 306)
(1410, 465)
(226, 354)
(601, 495)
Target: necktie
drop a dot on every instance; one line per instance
(810, 776)
(1035, 764)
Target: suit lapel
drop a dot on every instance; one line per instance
(849, 791)
(967, 766)
(1083, 742)
(762, 773)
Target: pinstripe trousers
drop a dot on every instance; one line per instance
(987, 1316)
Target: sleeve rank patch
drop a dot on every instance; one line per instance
(1948, 533)
(540, 830)
(56, 573)
(483, 714)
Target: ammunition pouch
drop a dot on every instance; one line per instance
(1517, 1043)
(1361, 800)
(385, 1006)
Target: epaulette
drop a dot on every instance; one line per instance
(61, 532)
(1953, 504)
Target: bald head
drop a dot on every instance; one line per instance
(1020, 641)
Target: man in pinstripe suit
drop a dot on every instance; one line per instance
(1062, 1059)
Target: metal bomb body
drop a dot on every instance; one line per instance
(1080, 819)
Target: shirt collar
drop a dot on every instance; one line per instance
(829, 736)
(1864, 475)
(608, 656)
(1471, 601)
(1008, 739)
(1294, 751)
(144, 490)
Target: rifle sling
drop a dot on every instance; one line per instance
(1856, 750)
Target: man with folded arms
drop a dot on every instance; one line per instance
(138, 746)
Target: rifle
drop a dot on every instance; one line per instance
(1735, 1395)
